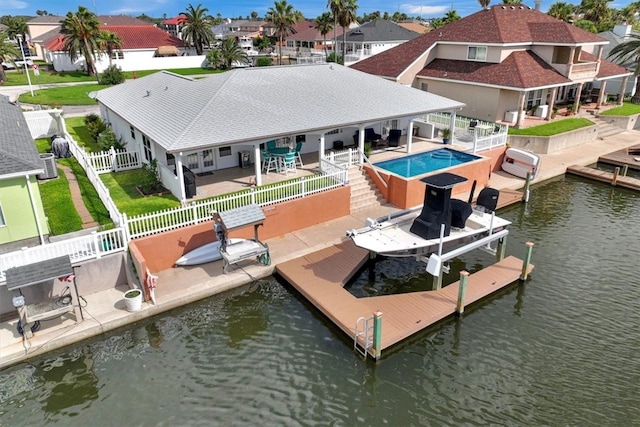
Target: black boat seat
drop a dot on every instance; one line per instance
(460, 212)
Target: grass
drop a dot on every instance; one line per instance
(626, 109)
(122, 188)
(19, 78)
(56, 197)
(79, 132)
(65, 95)
(553, 128)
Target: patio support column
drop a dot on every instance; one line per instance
(576, 105)
(183, 194)
(452, 126)
(361, 143)
(257, 164)
(551, 103)
(602, 96)
(520, 118)
(321, 150)
(623, 87)
(409, 136)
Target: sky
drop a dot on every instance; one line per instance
(234, 8)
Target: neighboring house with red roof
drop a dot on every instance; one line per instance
(306, 40)
(144, 46)
(174, 26)
(501, 62)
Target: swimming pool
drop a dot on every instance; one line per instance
(429, 161)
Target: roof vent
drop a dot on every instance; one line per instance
(513, 8)
(504, 7)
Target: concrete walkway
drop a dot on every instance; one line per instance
(76, 197)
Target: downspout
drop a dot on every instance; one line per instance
(35, 211)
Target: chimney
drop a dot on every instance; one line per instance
(538, 4)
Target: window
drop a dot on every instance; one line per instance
(534, 98)
(424, 87)
(477, 53)
(224, 151)
(133, 132)
(147, 148)
(2, 221)
(117, 55)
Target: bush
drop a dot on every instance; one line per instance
(112, 75)
(94, 125)
(334, 58)
(150, 182)
(108, 139)
(263, 61)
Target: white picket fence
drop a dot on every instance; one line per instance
(79, 249)
(114, 161)
(197, 212)
(472, 141)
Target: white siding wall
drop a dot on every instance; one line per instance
(133, 60)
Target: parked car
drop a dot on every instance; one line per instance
(10, 65)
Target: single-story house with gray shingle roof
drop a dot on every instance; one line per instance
(204, 124)
(501, 62)
(21, 213)
(374, 37)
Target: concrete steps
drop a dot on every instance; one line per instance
(605, 129)
(364, 193)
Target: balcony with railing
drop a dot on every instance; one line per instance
(582, 70)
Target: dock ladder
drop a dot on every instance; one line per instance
(364, 328)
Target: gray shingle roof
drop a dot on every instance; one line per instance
(380, 30)
(257, 104)
(18, 154)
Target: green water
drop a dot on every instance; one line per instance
(559, 350)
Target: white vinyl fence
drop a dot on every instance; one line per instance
(79, 249)
(494, 135)
(114, 160)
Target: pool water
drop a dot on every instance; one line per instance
(429, 161)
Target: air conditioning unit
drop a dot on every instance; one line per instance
(50, 168)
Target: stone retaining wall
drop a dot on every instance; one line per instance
(551, 144)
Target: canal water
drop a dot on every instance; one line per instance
(561, 349)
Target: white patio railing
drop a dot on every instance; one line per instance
(494, 135)
(114, 160)
(93, 246)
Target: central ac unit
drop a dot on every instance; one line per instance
(50, 168)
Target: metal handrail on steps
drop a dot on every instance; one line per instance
(375, 170)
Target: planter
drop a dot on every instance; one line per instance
(133, 299)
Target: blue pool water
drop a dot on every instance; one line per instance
(429, 161)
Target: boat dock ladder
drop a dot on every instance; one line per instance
(364, 329)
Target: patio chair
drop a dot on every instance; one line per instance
(297, 153)
(370, 135)
(496, 129)
(271, 145)
(472, 126)
(270, 162)
(288, 163)
(394, 137)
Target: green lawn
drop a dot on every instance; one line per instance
(553, 128)
(77, 129)
(65, 95)
(56, 197)
(626, 109)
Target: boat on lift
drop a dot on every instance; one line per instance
(442, 222)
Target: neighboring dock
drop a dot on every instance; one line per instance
(320, 277)
(607, 177)
(629, 157)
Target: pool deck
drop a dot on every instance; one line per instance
(177, 287)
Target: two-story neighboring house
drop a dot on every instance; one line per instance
(374, 37)
(21, 214)
(306, 40)
(619, 34)
(501, 62)
(174, 26)
(244, 32)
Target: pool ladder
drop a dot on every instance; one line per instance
(364, 328)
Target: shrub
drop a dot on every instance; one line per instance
(112, 75)
(150, 183)
(108, 139)
(263, 61)
(334, 58)
(95, 125)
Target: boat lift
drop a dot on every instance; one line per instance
(244, 249)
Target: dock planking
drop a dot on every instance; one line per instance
(320, 278)
(607, 177)
(625, 157)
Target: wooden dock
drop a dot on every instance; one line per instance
(509, 197)
(320, 277)
(623, 158)
(607, 177)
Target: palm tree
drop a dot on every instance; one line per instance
(484, 4)
(562, 11)
(214, 58)
(231, 52)
(81, 31)
(8, 52)
(196, 29)
(629, 51)
(109, 42)
(346, 16)
(283, 17)
(324, 24)
(596, 11)
(17, 27)
(334, 8)
(451, 16)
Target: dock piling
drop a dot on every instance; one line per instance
(377, 333)
(501, 249)
(614, 180)
(625, 169)
(462, 289)
(527, 184)
(527, 261)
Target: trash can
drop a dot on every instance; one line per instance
(338, 145)
(244, 159)
(189, 182)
